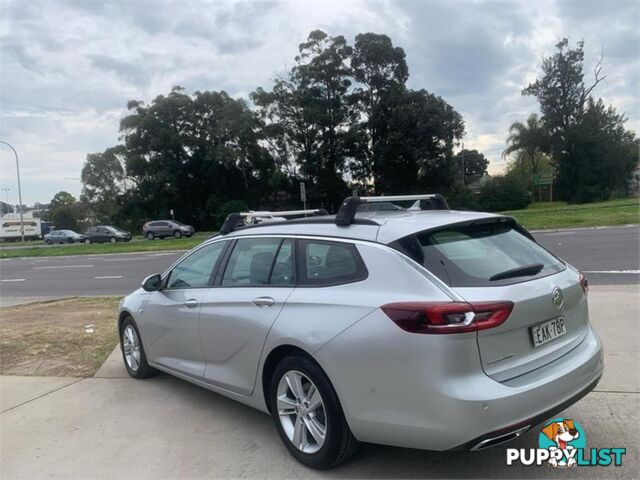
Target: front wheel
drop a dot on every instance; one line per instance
(308, 414)
(135, 360)
(87, 241)
(48, 242)
(113, 240)
(150, 236)
(177, 234)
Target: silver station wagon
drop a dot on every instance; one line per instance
(431, 329)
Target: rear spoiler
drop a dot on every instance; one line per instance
(349, 207)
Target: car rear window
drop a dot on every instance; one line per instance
(324, 263)
(473, 255)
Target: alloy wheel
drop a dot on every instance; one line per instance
(301, 412)
(131, 347)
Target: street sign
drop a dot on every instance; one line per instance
(303, 192)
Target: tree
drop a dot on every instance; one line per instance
(381, 72)
(587, 169)
(471, 165)
(308, 115)
(528, 140)
(103, 179)
(66, 212)
(190, 154)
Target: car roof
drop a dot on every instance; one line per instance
(376, 226)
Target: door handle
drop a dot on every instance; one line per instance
(263, 301)
(191, 303)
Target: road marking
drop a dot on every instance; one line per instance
(629, 272)
(64, 266)
(123, 259)
(107, 277)
(13, 279)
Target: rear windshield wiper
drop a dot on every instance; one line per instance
(523, 271)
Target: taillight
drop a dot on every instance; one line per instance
(584, 283)
(449, 317)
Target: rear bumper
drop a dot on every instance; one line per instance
(499, 437)
(412, 391)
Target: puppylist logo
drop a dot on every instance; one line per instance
(562, 443)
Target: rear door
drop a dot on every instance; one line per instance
(497, 261)
(239, 311)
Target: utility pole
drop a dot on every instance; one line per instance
(462, 155)
(19, 190)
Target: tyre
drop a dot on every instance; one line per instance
(48, 242)
(177, 234)
(150, 236)
(70, 240)
(113, 240)
(308, 415)
(135, 360)
(87, 241)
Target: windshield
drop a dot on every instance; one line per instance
(480, 255)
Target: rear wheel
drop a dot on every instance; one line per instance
(135, 360)
(150, 236)
(70, 240)
(177, 234)
(308, 414)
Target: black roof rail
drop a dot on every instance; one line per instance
(238, 220)
(349, 207)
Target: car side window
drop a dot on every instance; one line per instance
(195, 270)
(329, 263)
(250, 262)
(282, 272)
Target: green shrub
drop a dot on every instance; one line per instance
(231, 206)
(460, 197)
(506, 192)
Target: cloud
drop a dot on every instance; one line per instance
(68, 67)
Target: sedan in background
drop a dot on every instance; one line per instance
(63, 236)
(106, 233)
(166, 228)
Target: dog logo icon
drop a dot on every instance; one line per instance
(562, 437)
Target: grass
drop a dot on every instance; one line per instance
(70, 337)
(137, 244)
(547, 215)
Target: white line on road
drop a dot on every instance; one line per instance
(64, 266)
(123, 259)
(108, 276)
(13, 279)
(631, 272)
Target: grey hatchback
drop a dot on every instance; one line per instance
(431, 329)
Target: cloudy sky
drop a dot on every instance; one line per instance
(67, 68)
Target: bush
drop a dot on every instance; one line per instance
(506, 192)
(231, 206)
(460, 197)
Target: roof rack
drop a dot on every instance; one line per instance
(251, 218)
(349, 207)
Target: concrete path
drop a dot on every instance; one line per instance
(111, 426)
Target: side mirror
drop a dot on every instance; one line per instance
(152, 283)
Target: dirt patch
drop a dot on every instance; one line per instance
(59, 338)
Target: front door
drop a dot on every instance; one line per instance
(171, 316)
(239, 311)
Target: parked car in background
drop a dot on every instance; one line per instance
(63, 236)
(106, 233)
(166, 228)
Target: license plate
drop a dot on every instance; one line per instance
(547, 331)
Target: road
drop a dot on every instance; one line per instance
(609, 256)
